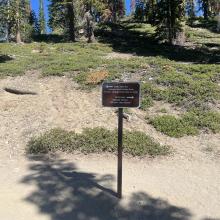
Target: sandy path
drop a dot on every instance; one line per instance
(184, 186)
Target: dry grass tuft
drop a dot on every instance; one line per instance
(97, 77)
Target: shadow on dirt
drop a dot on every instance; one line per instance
(5, 58)
(209, 24)
(65, 193)
(125, 39)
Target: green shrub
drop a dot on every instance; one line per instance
(146, 103)
(163, 110)
(174, 79)
(205, 91)
(173, 126)
(189, 86)
(151, 90)
(139, 144)
(188, 124)
(175, 95)
(204, 120)
(56, 139)
(189, 91)
(95, 140)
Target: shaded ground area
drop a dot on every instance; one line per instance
(63, 192)
(81, 187)
(128, 40)
(4, 58)
(211, 25)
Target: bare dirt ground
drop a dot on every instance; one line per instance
(183, 186)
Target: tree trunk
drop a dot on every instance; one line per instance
(7, 25)
(218, 19)
(18, 34)
(176, 35)
(114, 11)
(71, 18)
(18, 26)
(169, 22)
(121, 9)
(180, 38)
(42, 18)
(89, 27)
(206, 9)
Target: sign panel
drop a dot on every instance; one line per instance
(121, 94)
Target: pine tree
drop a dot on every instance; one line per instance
(190, 9)
(206, 12)
(170, 21)
(215, 9)
(42, 21)
(57, 15)
(140, 10)
(66, 16)
(151, 8)
(18, 21)
(205, 6)
(3, 20)
(33, 21)
(133, 4)
(71, 18)
(121, 8)
(16, 14)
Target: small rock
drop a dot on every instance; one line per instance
(35, 51)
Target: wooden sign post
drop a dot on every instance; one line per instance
(120, 95)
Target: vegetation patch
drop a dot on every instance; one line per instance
(146, 103)
(173, 127)
(192, 83)
(96, 140)
(96, 77)
(182, 89)
(208, 120)
(189, 124)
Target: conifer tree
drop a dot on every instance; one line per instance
(190, 9)
(151, 10)
(170, 20)
(34, 23)
(42, 21)
(206, 12)
(15, 14)
(3, 20)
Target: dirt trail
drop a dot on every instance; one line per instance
(183, 186)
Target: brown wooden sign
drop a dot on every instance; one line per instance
(121, 94)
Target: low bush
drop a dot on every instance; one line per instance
(95, 140)
(151, 90)
(56, 139)
(163, 110)
(174, 78)
(204, 120)
(188, 124)
(189, 91)
(146, 103)
(173, 127)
